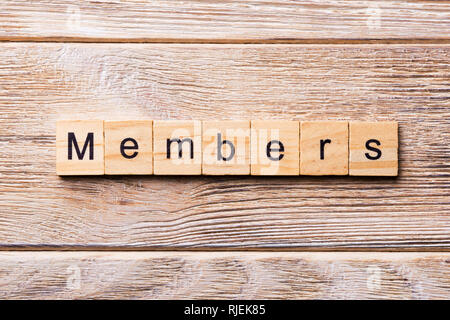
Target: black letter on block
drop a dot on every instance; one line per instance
(269, 150)
(322, 148)
(123, 147)
(219, 148)
(180, 147)
(73, 141)
(378, 151)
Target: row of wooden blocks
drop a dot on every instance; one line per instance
(278, 147)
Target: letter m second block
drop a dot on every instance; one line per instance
(79, 147)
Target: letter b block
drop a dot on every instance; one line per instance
(129, 147)
(374, 148)
(226, 147)
(79, 147)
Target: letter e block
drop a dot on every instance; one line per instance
(129, 147)
(226, 147)
(79, 147)
(324, 148)
(275, 147)
(177, 147)
(374, 148)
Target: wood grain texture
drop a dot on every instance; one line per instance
(163, 20)
(227, 275)
(40, 83)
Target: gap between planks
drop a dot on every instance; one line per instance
(295, 250)
(319, 41)
(360, 255)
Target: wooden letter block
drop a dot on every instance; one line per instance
(79, 147)
(177, 147)
(128, 147)
(226, 147)
(324, 148)
(374, 148)
(274, 147)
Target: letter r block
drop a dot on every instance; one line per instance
(177, 147)
(226, 147)
(129, 147)
(79, 147)
(324, 148)
(275, 147)
(374, 148)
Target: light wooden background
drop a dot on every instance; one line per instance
(224, 237)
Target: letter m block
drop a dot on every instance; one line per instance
(79, 147)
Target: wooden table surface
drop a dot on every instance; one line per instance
(224, 237)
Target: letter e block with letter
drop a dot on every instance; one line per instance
(374, 148)
(177, 147)
(275, 147)
(226, 147)
(79, 147)
(129, 147)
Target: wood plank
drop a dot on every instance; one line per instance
(233, 20)
(40, 83)
(224, 275)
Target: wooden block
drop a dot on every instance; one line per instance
(79, 147)
(177, 147)
(274, 147)
(128, 147)
(226, 147)
(324, 148)
(374, 148)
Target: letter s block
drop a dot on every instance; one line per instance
(373, 148)
(79, 147)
